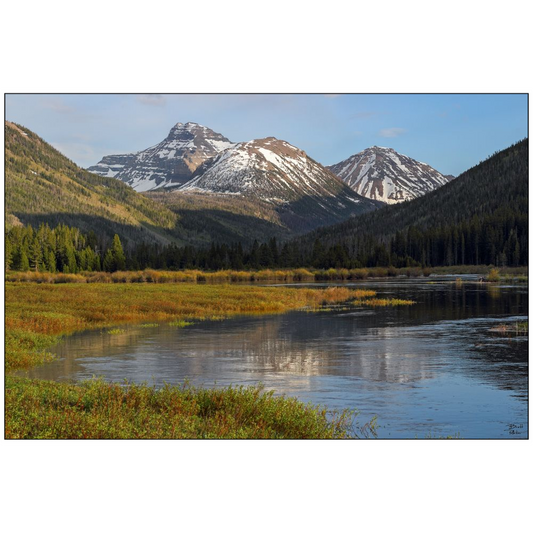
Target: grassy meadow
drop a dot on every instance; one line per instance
(37, 315)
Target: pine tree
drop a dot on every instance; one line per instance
(71, 263)
(255, 261)
(36, 255)
(24, 262)
(8, 253)
(273, 245)
(118, 254)
(51, 261)
(265, 255)
(109, 261)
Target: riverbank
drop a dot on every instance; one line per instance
(236, 276)
(38, 315)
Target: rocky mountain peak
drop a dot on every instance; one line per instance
(273, 171)
(169, 163)
(190, 127)
(383, 174)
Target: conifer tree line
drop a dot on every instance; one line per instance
(62, 249)
(500, 240)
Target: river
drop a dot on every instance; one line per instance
(431, 369)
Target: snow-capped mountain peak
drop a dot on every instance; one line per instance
(170, 162)
(383, 174)
(267, 168)
(303, 193)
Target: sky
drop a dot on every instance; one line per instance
(450, 132)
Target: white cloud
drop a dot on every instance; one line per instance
(391, 132)
(152, 99)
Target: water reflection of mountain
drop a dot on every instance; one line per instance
(310, 345)
(389, 345)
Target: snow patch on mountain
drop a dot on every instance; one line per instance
(383, 174)
(167, 164)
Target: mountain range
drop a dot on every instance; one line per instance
(269, 180)
(379, 174)
(213, 179)
(42, 185)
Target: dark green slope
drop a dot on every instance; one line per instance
(42, 185)
(206, 218)
(479, 213)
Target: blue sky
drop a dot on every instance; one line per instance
(450, 132)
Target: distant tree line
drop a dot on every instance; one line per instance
(500, 239)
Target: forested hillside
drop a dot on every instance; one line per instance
(207, 218)
(43, 186)
(479, 218)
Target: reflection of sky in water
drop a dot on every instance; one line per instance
(433, 367)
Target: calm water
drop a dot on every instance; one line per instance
(432, 368)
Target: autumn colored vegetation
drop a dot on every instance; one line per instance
(250, 276)
(37, 315)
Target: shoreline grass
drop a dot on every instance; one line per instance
(180, 323)
(382, 302)
(38, 315)
(115, 331)
(37, 409)
(518, 274)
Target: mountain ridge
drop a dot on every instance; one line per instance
(383, 174)
(168, 163)
(274, 171)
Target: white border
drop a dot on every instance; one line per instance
(275, 47)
